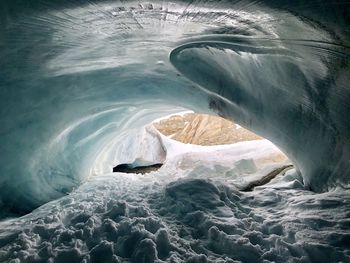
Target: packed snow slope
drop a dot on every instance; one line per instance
(80, 79)
(190, 210)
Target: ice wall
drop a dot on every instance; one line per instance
(76, 77)
(283, 90)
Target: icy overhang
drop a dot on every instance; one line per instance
(76, 76)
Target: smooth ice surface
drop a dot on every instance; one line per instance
(79, 81)
(77, 77)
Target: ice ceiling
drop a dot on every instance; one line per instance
(76, 77)
(78, 81)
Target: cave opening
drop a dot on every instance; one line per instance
(202, 140)
(206, 131)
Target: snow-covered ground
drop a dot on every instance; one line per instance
(188, 211)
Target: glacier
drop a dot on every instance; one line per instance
(82, 81)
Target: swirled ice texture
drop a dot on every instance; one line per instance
(79, 80)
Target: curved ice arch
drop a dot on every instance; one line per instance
(74, 76)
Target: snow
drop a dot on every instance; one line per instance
(186, 213)
(129, 218)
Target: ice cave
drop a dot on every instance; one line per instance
(83, 85)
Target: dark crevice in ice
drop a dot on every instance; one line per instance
(267, 178)
(13, 212)
(128, 168)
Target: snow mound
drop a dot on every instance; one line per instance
(190, 210)
(126, 218)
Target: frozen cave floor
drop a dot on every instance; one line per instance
(186, 212)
